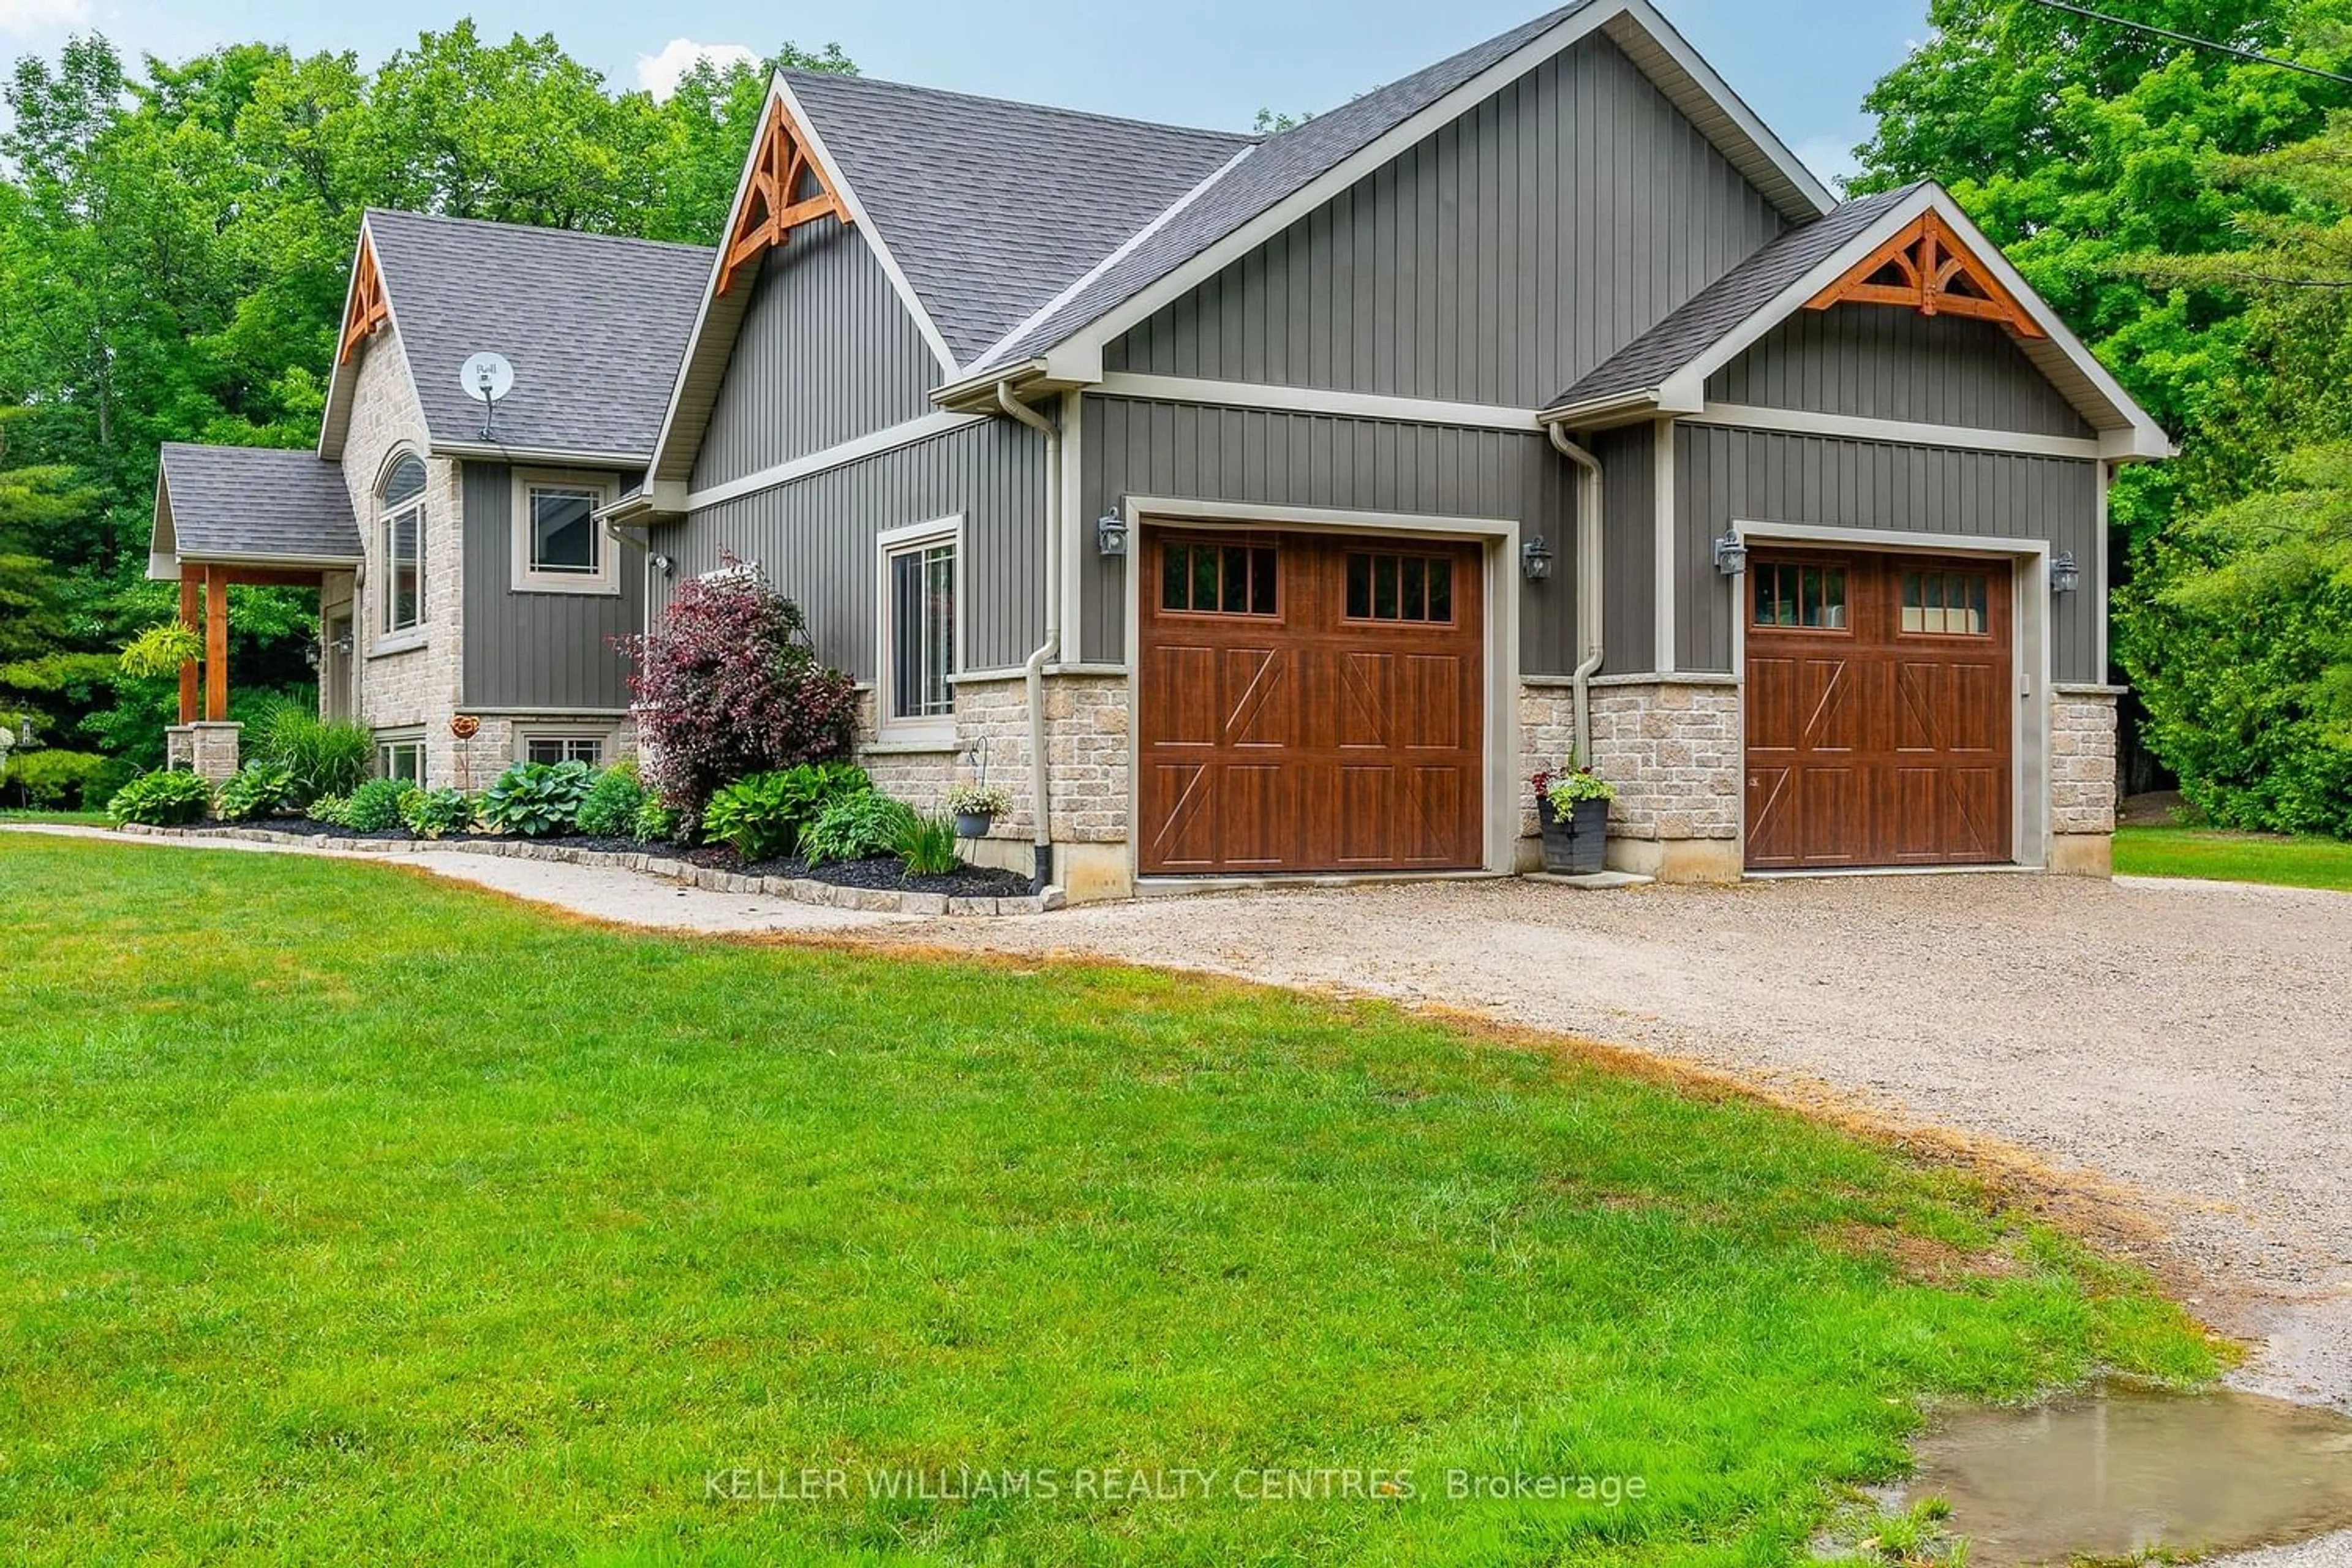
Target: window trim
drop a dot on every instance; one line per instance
(525, 578)
(386, 740)
(896, 541)
(524, 734)
(383, 635)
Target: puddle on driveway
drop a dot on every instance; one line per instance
(2107, 1475)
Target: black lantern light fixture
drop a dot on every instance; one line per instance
(2066, 574)
(1731, 555)
(1535, 559)
(1110, 532)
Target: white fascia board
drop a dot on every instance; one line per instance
(1684, 392)
(1676, 47)
(1282, 398)
(949, 394)
(861, 222)
(1241, 241)
(710, 284)
(779, 93)
(873, 443)
(497, 452)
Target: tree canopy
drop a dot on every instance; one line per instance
(2186, 212)
(174, 248)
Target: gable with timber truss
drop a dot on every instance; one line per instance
(1928, 268)
(786, 189)
(367, 308)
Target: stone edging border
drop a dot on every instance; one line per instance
(798, 890)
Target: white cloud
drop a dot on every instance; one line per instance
(657, 74)
(1830, 158)
(31, 19)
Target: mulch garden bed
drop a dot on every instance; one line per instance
(882, 873)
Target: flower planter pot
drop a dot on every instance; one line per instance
(972, 823)
(1574, 843)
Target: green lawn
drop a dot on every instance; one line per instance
(2220, 855)
(352, 1216)
(77, 818)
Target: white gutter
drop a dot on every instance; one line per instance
(1589, 594)
(1033, 669)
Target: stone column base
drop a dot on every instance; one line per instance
(1678, 860)
(2083, 854)
(208, 748)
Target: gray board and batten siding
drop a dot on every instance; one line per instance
(539, 650)
(1724, 474)
(816, 539)
(1496, 261)
(1889, 362)
(826, 352)
(1200, 452)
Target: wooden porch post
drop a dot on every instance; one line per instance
(215, 644)
(188, 619)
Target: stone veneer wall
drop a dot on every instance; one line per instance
(2083, 779)
(1087, 723)
(418, 687)
(1671, 746)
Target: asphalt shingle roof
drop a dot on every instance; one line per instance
(594, 325)
(989, 208)
(1277, 168)
(1718, 309)
(262, 501)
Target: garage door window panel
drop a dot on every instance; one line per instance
(1810, 597)
(1201, 577)
(1945, 603)
(1386, 587)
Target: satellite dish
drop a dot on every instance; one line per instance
(487, 377)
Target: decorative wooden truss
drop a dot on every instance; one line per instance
(773, 205)
(1926, 267)
(368, 309)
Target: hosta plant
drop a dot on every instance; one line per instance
(538, 800)
(168, 797)
(434, 814)
(762, 817)
(255, 790)
(329, 809)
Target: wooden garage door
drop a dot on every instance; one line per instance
(1309, 703)
(1879, 711)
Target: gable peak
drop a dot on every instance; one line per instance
(772, 205)
(1926, 267)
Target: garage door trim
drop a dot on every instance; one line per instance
(1501, 537)
(2030, 654)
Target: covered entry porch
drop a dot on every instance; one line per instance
(245, 517)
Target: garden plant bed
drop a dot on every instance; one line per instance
(880, 872)
(875, 886)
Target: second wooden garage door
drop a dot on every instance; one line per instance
(1879, 711)
(1308, 703)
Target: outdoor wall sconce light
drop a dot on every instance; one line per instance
(2066, 576)
(663, 564)
(1535, 559)
(311, 651)
(1730, 556)
(1110, 532)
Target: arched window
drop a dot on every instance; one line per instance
(400, 513)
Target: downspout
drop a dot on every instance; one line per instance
(1588, 595)
(1033, 669)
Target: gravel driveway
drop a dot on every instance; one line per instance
(2191, 1041)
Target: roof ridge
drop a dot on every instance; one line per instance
(451, 220)
(802, 73)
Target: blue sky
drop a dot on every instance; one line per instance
(1803, 65)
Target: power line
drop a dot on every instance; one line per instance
(2194, 42)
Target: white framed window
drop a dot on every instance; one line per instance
(572, 748)
(401, 757)
(921, 634)
(558, 545)
(400, 543)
